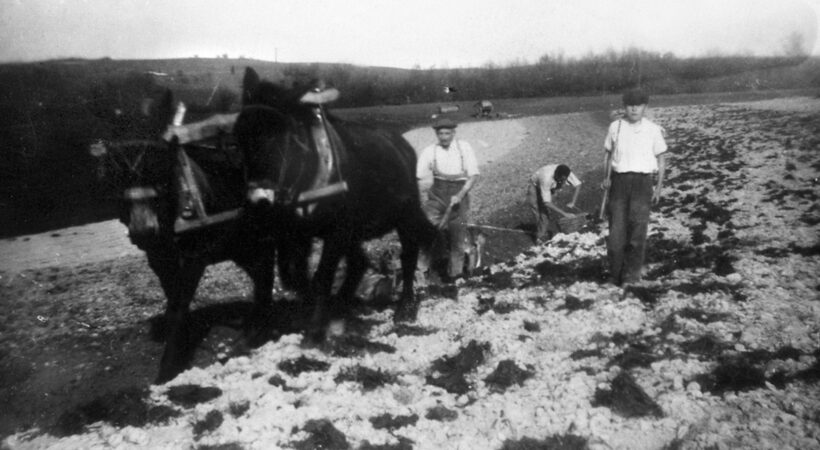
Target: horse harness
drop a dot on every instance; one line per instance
(320, 138)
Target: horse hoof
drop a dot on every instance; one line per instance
(165, 376)
(256, 337)
(315, 335)
(406, 314)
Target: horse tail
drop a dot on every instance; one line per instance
(424, 232)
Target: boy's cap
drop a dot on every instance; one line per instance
(444, 122)
(635, 97)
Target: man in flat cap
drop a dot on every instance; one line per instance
(635, 151)
(446, 171)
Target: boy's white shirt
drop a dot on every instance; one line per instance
(636, 146)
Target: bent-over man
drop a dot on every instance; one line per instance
(543, 184)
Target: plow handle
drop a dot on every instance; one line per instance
(446, 217)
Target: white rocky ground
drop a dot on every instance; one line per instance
(721, 340)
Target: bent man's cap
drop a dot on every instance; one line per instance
(444, 122)
(635, 97)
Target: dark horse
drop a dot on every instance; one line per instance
(148, 172)
(277, 132)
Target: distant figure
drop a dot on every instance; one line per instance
(483, 108)
(446, 172)
(543, 184)
(635, 150)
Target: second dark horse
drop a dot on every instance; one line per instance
(277, 132)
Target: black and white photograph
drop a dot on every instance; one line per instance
(410, 225)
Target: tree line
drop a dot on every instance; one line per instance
(557, 75)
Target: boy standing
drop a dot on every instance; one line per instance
(635, 150)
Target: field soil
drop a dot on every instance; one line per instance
(719, 347)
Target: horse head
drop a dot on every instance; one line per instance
(140, 171)
(274, 131)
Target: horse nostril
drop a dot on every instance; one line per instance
(259, 196)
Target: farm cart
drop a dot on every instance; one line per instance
(483, 108)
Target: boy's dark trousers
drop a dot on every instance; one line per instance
(545, 226)
(630, 199)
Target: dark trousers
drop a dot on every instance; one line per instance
(630, 198)
(545, 225)
(453, 242)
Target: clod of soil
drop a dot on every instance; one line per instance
(350, 344)
(391, 422)
(626, 398)
(559, 442)
(637, 355)
(369, 379)
(441, 413)
(303, 364)
(733, 375)
(506, 374)
(450, 373)
(189, 395)
(485, 303)
(322, 434)
(404, 329)
(572, 303)
(211, 422)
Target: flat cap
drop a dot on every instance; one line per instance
(635, 97)
(444, 122)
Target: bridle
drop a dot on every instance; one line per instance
(126, 167)
(294, 146)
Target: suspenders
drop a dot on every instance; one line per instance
(439, 175)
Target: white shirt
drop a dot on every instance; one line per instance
(457, 161)
(544, 179)
(636, 146)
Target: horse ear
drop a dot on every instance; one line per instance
(249, 84)
(164, 111)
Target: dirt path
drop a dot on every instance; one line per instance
(67, 247)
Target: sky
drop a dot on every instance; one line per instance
(400, 33)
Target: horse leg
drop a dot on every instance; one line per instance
(415, 232)
(317, 306)
(293, 253)
(408, 307)
(260, 269)
(179, 280)
(357, 263)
